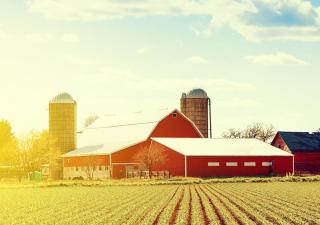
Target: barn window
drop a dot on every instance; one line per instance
(249, 164)
(266, 163)
(231, 164)
(174, 115)
(213, 163)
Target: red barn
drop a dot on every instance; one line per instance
(114, 141)
(228, 157)
(111, 147)
(305, 147)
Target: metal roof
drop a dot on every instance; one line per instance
(63, 98)
(115, 132)
(197, 93)
(221, 147)
(301, 141)
(103, 149)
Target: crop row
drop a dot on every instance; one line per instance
(218, 204)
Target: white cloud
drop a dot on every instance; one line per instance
(279, 58)
(127, 79)
(236, 102)
(70, 37)
(141, 51)
(255, 20)
(197, 60)
(39, 37)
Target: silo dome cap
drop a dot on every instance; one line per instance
(63, 98)
(197, 93)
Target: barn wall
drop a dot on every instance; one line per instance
(198, 166)
(98, 160)
(307, 162)
(173, 161)
(278, 142)
(126, 157)
(178, 126)
(75, 167)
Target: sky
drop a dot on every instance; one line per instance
(258, 60)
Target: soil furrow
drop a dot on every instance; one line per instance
(156, 221)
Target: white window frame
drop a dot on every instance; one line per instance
(249, 163)
(213, 164)
(231, 163)
(266, 163)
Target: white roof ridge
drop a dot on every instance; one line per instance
(221, 147)
(120, 125)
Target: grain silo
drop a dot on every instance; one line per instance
(196, 105)
(62, 130)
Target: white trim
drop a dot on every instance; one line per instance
(110, 166)
(249, 164)
(293, 165)
(213, 163)
(231, 164)
(267, 163)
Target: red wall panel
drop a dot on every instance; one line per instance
(198, 166)
(98, 160)
(174, 161)
(307, 161)
(178, 126)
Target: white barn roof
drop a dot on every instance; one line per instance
(221, 147)
(103, 149)
(115, 132)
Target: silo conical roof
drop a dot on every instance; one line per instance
(63, 97)
(197, 93)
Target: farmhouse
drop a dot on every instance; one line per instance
(305, 147)
(184, 150)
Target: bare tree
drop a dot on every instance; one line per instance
(231, 133)
(90, 120)
(253, 131)
(90, 166)
(267, 133)
(150, 156)
(256, 130)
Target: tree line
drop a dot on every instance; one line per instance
(25, 154)
(261, 131)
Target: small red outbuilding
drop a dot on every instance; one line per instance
(306, 149)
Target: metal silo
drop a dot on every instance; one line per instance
(196, 105)
(62, 130)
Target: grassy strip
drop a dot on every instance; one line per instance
(171, 181)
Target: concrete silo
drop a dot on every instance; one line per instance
(196, 105)
(62, 130)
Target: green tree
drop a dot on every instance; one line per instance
(8, 145)
(34, 150)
